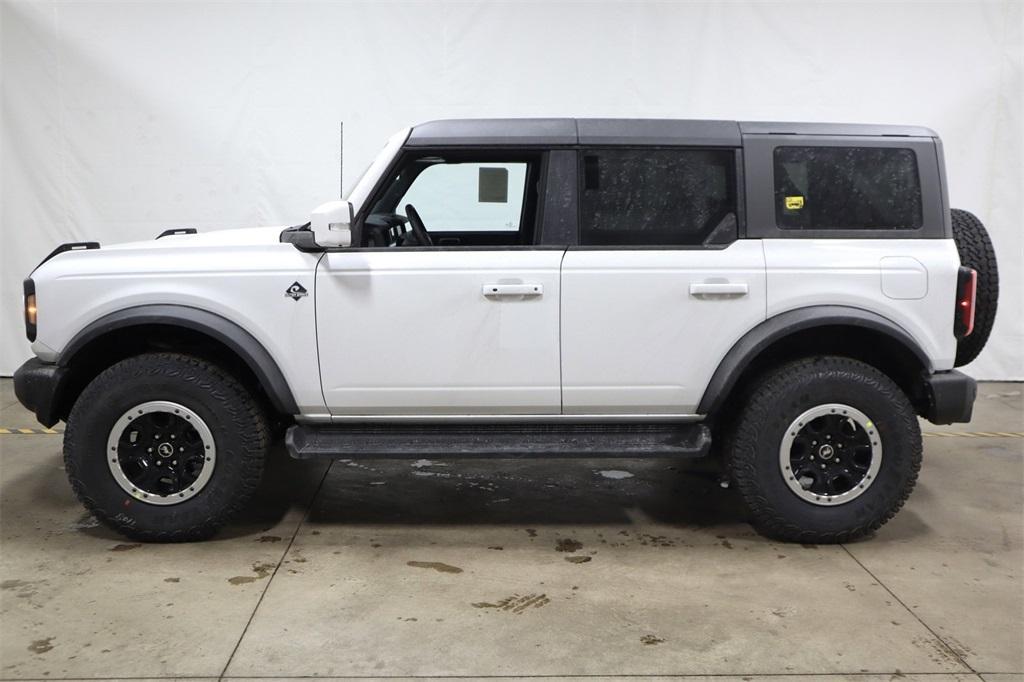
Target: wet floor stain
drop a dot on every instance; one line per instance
(577, 559)
(937, 650)
(26, 589)
(41, 646)
(172, 580)
(958, 647)
(615, 475)
(651, 640)
(84, 522)
(568, 545)
(654, 540)
(268, 538)
(435, 565)
(262, 570)
(531, 532)
(125, 547)
(515, 603)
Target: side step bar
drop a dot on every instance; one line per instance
(405, 441)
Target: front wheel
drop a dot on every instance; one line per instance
(824, 450)
(165, 447)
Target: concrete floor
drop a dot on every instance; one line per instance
(542, 569)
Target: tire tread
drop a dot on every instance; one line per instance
(745, 438)
(245, 413)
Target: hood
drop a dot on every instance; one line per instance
(246, 236)
(172, 252)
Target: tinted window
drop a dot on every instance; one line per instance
(823, 188)
(478, 197)
(658, 197)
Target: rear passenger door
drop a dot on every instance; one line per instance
(659, 287)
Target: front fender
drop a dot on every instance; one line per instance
(241, 342)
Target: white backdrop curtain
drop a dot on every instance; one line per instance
(121, 119)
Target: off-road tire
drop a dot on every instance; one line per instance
(774, 402)
(235, 420)
(975, 249)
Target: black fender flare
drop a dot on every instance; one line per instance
(777, 328)
(237, 339)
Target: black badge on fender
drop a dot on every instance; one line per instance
(296, 291)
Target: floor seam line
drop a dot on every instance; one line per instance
(295, 534)
(911, 612)
(603, 676)
(814, 675)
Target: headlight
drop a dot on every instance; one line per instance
(30, 309)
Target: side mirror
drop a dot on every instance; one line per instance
(331, 224)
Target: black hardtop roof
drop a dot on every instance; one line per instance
(630, 131)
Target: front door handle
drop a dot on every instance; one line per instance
(719, 289)
(503, 290)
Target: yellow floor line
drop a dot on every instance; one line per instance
(975, 434)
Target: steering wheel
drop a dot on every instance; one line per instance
(416, 223)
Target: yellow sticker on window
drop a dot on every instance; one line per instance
(794, 203)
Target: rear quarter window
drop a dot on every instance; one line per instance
(846, 188)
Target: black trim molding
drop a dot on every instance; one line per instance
(227, 332)
(777, 328)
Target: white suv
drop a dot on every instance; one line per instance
(787, 296)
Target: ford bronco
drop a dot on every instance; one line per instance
(787, 297)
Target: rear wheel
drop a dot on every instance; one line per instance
(165, 447)
(824, 450)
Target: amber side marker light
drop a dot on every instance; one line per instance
(31, 311)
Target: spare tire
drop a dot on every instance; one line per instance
(976, 252)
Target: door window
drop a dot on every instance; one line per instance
(658, 197)
(462, 198)
(468, 197)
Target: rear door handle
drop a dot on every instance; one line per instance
(719, 289)
(503, 290)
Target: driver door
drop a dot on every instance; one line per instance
(468, 326)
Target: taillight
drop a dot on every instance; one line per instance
(966, 292)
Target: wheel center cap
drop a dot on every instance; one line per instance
(826, 451)
(165, 449)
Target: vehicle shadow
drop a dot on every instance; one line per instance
(525, 492)
(684, 494)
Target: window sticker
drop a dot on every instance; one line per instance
(794, 203)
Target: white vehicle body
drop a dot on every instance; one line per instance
(497, 355)
(586, 288)
(565, 349)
